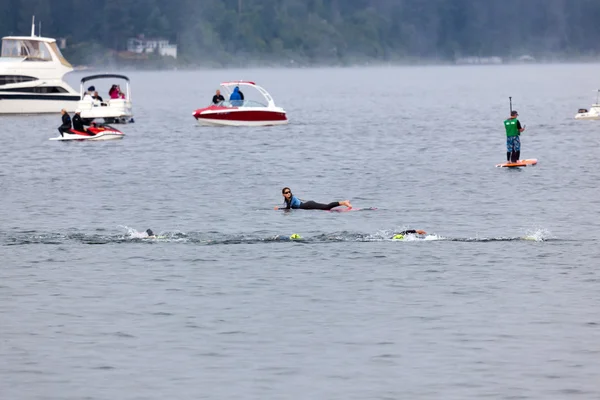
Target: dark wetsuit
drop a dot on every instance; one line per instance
(309, 205)
(66, 124)
(217, 98)
(406, 232)
(313, 205)
(78, 123)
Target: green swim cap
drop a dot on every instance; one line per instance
(295, 236)
(398, 237)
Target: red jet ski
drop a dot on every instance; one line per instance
(95, 132)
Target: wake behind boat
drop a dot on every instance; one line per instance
(93, 133)
(242, 112)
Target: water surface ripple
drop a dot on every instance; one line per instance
(499, 300)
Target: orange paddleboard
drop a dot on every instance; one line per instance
(521, 163)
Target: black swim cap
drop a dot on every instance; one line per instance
(149, 232)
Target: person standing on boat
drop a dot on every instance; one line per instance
(236, 98)
(89, 95)
(218, 97)
(513, 142)
(66, 122)
(113, 93)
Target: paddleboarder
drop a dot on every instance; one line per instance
(513, 142)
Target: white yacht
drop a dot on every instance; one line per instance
(593, 113)
(31, 76)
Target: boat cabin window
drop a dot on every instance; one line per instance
(33, 50)
(58, 53)
(7, 79)
(39, 89)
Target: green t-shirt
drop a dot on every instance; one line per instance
(512, 127)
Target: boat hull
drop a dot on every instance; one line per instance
(51, 104)
(592, 114)
(114, 111)
(588, 116)
(224, 122)
(240, 117)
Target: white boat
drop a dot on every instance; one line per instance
(113, 111)
(242, 112)
(593, 113)
(93, 134)
(31, 76)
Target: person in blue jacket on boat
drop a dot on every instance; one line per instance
(292, 201)
(236, 98)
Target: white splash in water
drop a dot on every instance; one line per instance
(433, 237)
(538, 235)
(132, 233)
(379, 236)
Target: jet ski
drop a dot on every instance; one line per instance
(96, 132)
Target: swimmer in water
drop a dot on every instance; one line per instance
(401, 235)
(292, 201)
(150, 234)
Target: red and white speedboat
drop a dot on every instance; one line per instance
(242, 112)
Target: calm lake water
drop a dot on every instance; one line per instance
(499, 301)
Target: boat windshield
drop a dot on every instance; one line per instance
(240, 103)
(29, 49)
(58, 53)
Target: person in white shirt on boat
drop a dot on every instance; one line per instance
(92, 96)
(89, 95)
(98, 98)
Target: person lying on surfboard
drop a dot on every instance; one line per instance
(400, 235)
(292, 201)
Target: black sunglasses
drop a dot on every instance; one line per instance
(287, 192)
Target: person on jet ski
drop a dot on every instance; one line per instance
(66, 122)
(78, 122)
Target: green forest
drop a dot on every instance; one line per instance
(315, 32)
